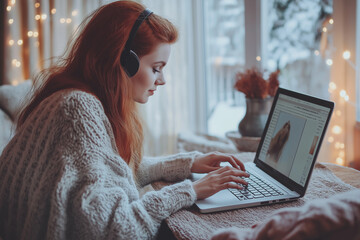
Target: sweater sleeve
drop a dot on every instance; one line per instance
(170, 168)
(97, 188)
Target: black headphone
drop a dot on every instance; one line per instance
(129, 60)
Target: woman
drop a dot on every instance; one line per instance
(73, 169)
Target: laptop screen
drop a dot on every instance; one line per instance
(293, 136)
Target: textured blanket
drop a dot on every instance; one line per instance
(191, 224)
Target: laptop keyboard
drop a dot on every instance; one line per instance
(256, 188)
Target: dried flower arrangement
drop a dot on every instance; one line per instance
(253, 85)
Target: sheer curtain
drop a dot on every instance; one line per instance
(175, 106)
(38, 31)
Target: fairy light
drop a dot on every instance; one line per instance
(340, 161)
(331, 21)
(20, 42)
(341, 154)
(336, 130)
(12, 2)
(35, 34)
(8, 8)
(329, 61)
(258, 58)
(43, 16)
(53, 11)
(316, 52)
(62, 20)
(343, 93)
(74, 13)
(346, 55)
(331, 139)
(14, 82)
(11, 42)
(11, 21)
(37, 5)
(68, 20)
(30, 33)
(37, 17)
(324, 29)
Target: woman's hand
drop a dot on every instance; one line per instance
(222, 178)
(211, 162)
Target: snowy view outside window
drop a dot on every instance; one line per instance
(299, 44)
(225, 55)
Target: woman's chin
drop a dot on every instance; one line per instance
(142, 100)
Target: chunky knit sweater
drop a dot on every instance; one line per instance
(61, 177)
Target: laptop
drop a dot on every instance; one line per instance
(285, 157)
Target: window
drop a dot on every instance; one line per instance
(225, 55)
(292, 36)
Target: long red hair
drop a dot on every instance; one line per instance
(92, 64)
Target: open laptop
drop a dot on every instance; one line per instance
(285, 157)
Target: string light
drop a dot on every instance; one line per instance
(15, 82)
(53, 11)
(258, 58)
(11, 42)
(30, 33)
(336, 130)
(324, 29)
(329, 61)
(62, 20)
(20, 42)
(316, 52)
(37, 5)
(37, 17)
(68, 20)
(43, 16)
(340, 161)
(16, 63)
(11, 21)
(74, 13)
(331, 21)
(346, 55)
(36, 34)
(8, 8)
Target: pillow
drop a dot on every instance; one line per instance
(13, 98)
(6, 127)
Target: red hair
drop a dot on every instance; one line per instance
(92, 64)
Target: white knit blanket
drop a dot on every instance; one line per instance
(191, 224)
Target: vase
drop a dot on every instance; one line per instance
(257, 111)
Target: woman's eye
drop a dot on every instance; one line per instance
(156, 70)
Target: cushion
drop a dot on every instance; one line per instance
(13, 98)
(6, 129)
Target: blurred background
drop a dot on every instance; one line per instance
(314, 43)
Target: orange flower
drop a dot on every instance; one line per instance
(253, 85)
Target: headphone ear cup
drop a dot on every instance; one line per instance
(130, 62)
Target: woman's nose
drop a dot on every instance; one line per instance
(160, 80)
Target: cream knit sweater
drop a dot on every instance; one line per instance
(61, 177)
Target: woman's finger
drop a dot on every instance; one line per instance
(238, 162)
(235, 172)
(231, 160)
(234, 179)
(227, 185)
